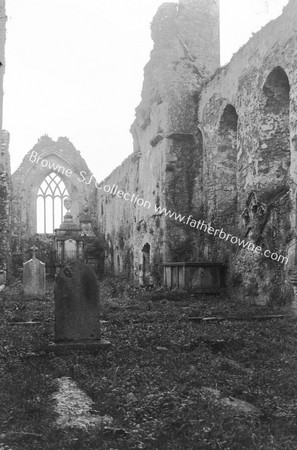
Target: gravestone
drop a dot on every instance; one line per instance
(77, 325)
(34, 276)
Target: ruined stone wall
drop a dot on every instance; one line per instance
(28, 177)
(167, 161)
(212, 144)
(3, 19)
(131, 224)
(186, 52)
(5, 182)
(5, 196)
(247, 114)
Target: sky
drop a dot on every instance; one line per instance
(75, 68)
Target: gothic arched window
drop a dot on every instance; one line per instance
(50, 203)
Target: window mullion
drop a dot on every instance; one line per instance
(53, 213)
(44, 213)
(51, 184)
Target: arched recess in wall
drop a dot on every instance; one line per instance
(118, 265)
(225, 167)
(146, 255)
(274, 160)
(50, 203)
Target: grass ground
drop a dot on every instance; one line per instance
(165, 361)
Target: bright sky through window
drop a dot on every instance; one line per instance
(50, 203)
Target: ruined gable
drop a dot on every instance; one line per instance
(47, 157)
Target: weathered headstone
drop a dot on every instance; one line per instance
(77, 325)
(34, 276)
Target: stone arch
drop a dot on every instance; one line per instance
(274, 160)
(26, 192)
(47, 156)
(225, 167)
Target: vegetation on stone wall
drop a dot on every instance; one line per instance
(120, 237)
(157, 268)
(181, 250)
(96, 248)
(128, 261)
(179, 196)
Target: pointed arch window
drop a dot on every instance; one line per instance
(50, 203)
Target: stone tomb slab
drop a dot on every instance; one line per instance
(34, 277)
(77, 325)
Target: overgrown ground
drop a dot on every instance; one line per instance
(165, 361)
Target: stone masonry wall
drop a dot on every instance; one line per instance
(5, 196)
(212, 144)
(166, 163)
(5, 182)
(252, 159)
(129, 226)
